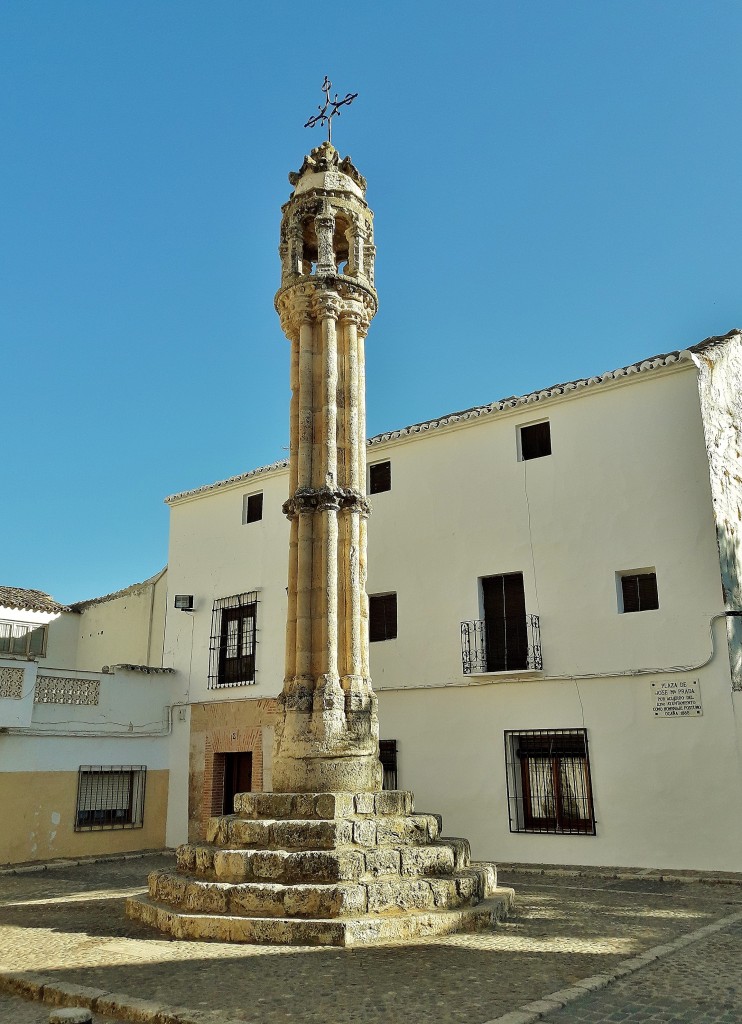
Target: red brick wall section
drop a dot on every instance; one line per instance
(219, 728)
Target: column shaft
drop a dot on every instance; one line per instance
(291, 625)
(305, 426)
(304, 595)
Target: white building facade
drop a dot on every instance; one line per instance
(86, 714)
(552, 581)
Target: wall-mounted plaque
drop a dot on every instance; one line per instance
(676, 698)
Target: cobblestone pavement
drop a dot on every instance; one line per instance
(67, 926)
(701, 984)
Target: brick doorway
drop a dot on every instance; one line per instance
(237, 777)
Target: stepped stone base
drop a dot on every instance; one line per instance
(338, 869)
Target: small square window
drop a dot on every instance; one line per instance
(535, 441)
(638, 591)
(382, 617)
(379, 477)
(252, 507)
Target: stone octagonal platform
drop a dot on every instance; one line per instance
(339, 869)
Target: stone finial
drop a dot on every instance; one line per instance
(326, 158)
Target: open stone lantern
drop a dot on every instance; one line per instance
(328, 858)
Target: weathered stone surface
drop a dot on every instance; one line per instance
(364, 803)
(352, 931)
(427, 860)
(364, 832)
(399, 895)
(71, 1015)
(333, 805)
(488, 875)
(412, 828)
(185, 857)
(393, 802)
(288, 867)
(240, 832)
(217, 829)
(258, 900)
(385, 861)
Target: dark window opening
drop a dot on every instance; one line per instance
(548, 781)
(505, 624)
(379, 477)
(639, 592)
(388, 758)
(110, 796)
(382, 617)
(252, 510)
(535, 441)
(233, 641)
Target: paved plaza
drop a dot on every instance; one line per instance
(593, 949)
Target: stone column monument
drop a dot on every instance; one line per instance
(328, 858)
(327, 738)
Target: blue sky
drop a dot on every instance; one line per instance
(556, 188)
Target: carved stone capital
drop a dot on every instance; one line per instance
(307, 501)
(353, 316)
(327, 305)
(294, 308)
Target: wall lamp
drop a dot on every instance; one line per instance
(184, 602)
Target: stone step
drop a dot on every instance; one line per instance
(354, 931)
(323, 900)
(230, 831)
(344, 864)
(322, 806)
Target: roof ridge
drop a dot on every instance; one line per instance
(475, 411)
(77, 606)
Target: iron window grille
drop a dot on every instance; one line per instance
(379, 477)
(233, 641)
(639, 591)
(548, 781)
(388, 758)
(252, 507)
(382, 617)
(480, 652)
(23, 638)
(110, 796)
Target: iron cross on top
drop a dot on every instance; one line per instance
(323, 117)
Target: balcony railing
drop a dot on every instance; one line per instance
(502, 646)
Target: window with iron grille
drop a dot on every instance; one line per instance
(382, 617)
(638, 591)
(252, 507)
(388, 758)
(379, 477)
(233, 640)
(535, 441)
(24, 638)
(110, 796)
(548, 780)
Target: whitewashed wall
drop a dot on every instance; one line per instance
(626, 488)
(120, 728)
(126, 629)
